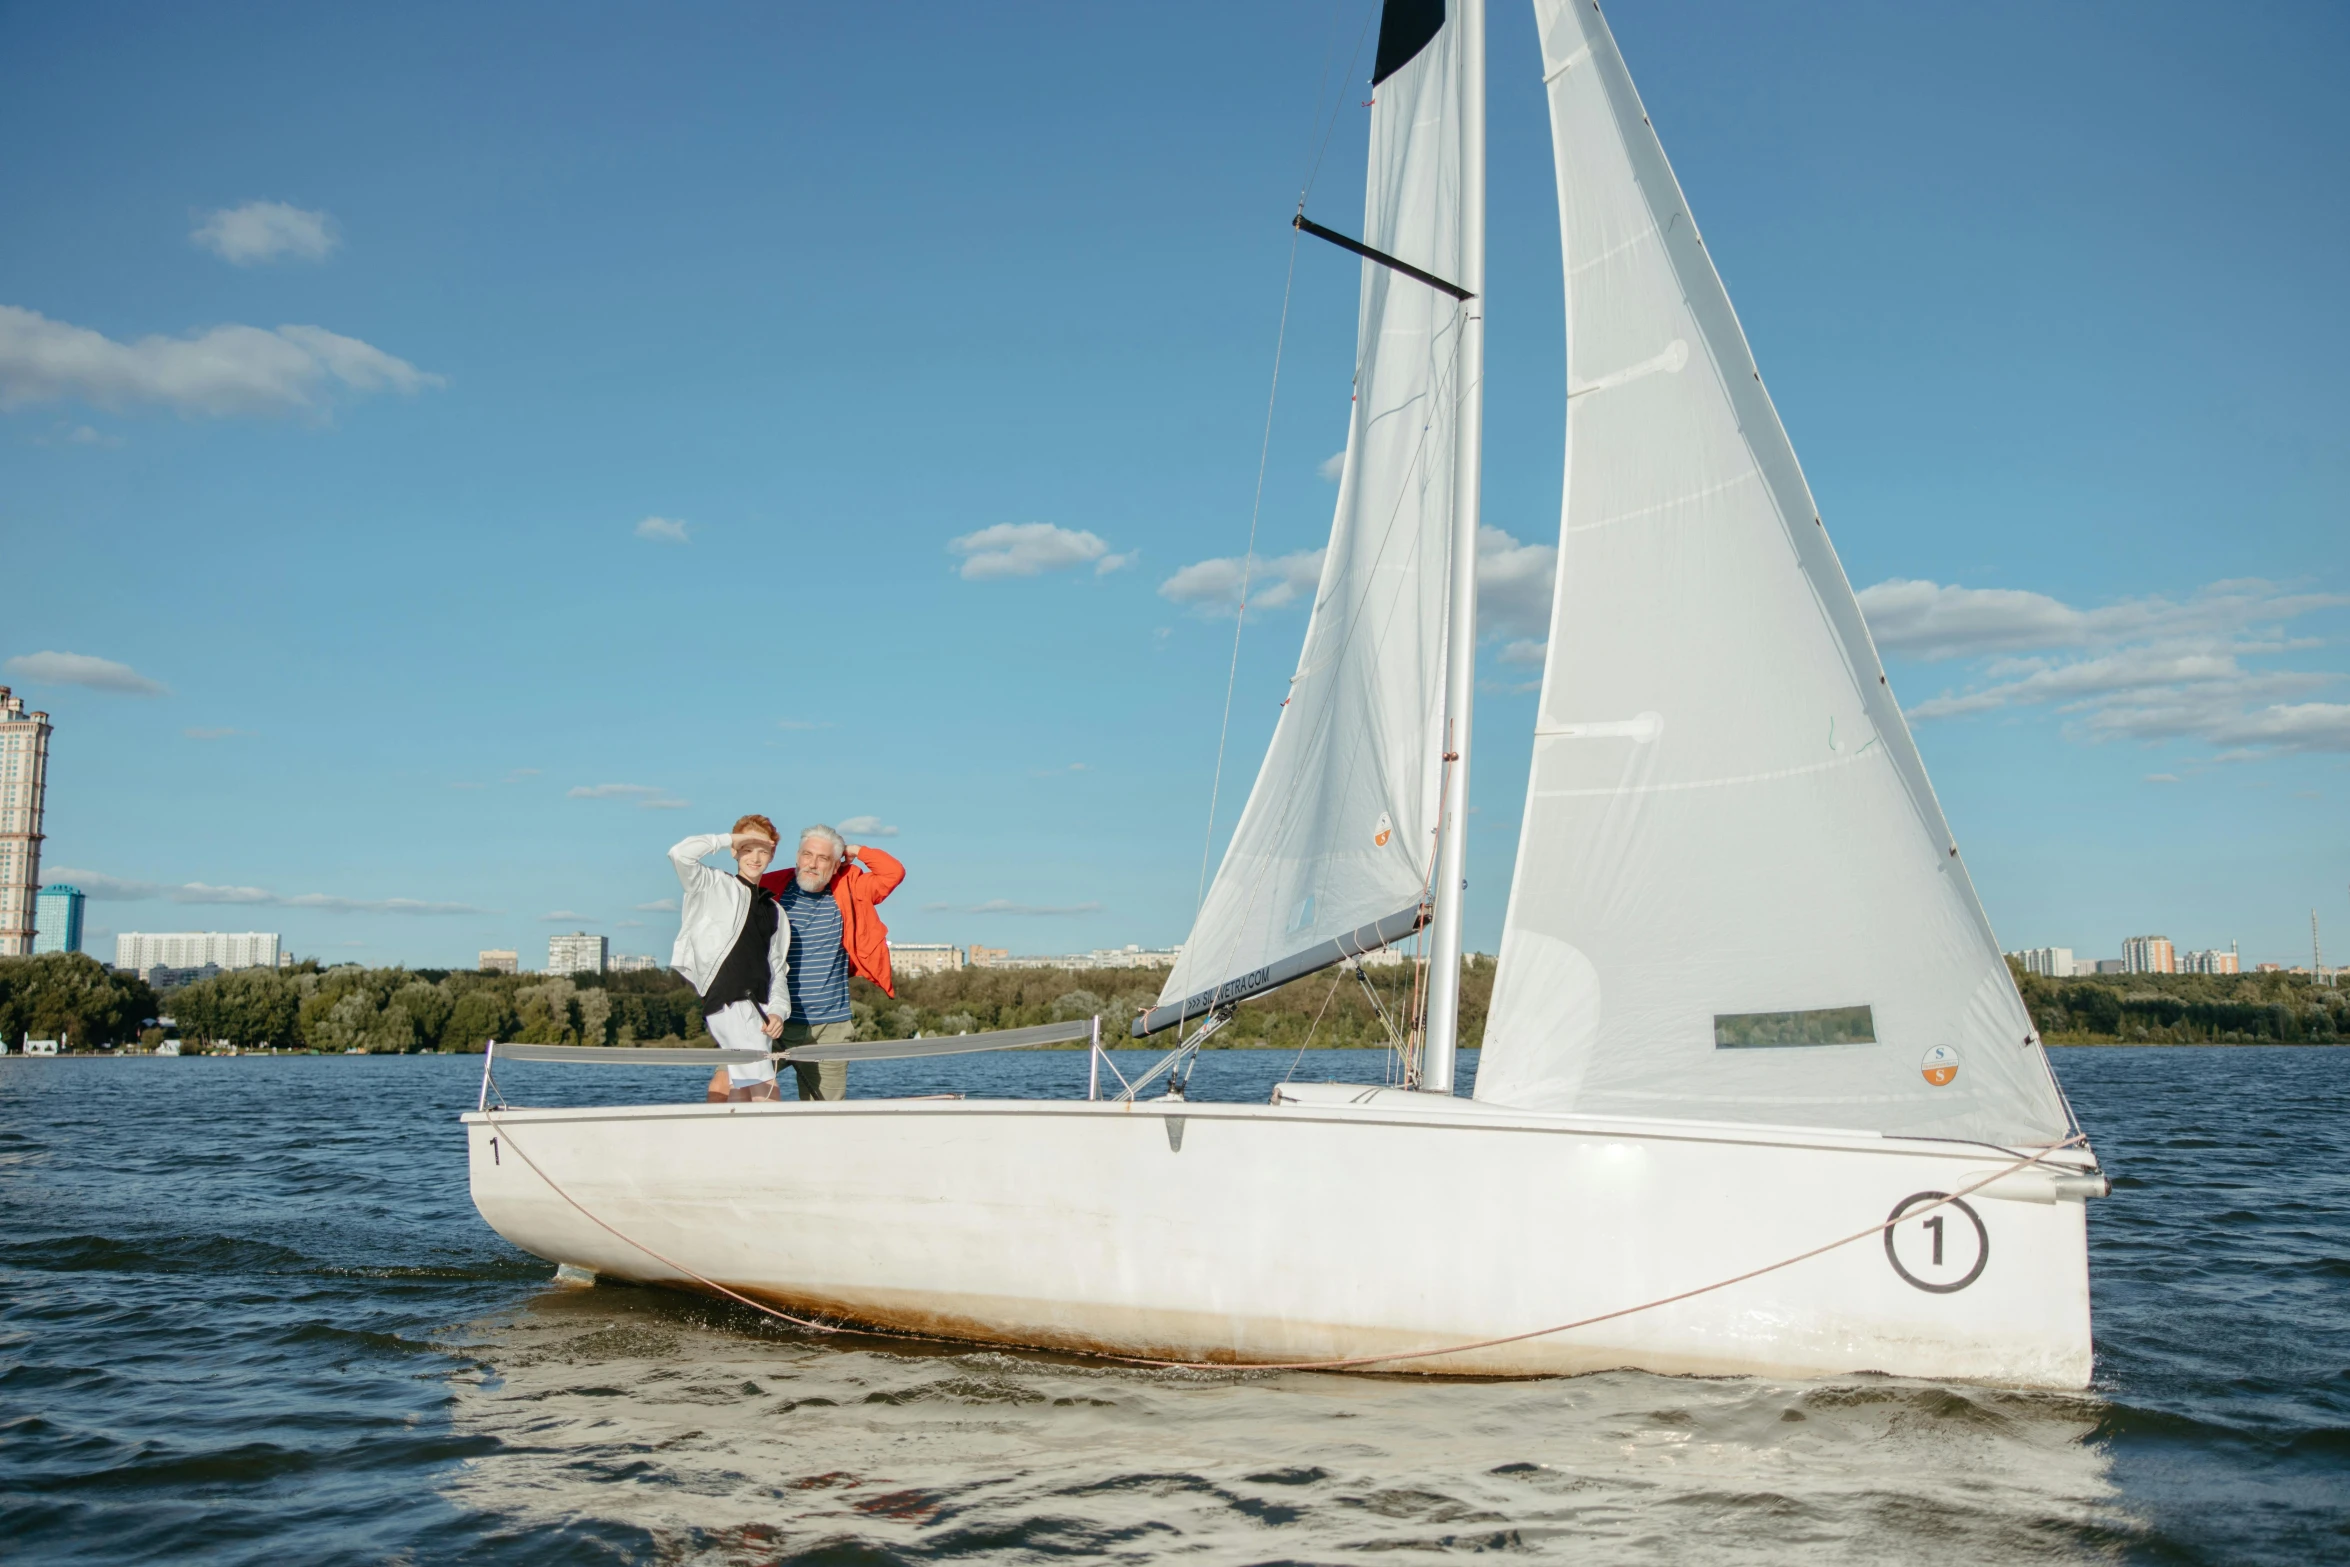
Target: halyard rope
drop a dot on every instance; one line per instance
(1347, 1362)
(1248, 563)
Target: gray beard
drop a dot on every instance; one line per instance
(811, 882)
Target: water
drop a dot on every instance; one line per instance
(247, 1314)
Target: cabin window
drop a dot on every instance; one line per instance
(1773, 1030)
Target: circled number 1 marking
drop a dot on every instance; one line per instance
(1936, 1225)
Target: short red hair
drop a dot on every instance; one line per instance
(758, 824)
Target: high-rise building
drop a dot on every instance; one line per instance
(500, 960)
(139, 951)
(2209, 961)
(57, 919)
(2149, 955)
(625, 963)
(2054, 962)
(24, 782)
(577, 953)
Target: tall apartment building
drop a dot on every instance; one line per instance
(500, 960)
(2210, 961)
(2054, 962)
(625, 963)
(139, 951)
(24, 783)
(2149, 955)
(577, 953)
(57, 919)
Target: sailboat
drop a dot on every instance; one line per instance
(1757, 1094)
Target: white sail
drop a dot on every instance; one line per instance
(1332, 852)
(1736, 897)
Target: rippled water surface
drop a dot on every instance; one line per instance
(247, 1314)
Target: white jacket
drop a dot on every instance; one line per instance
(710, 920)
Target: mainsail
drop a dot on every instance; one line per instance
(1736, 897)
(1333, 852)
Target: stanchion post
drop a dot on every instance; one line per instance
(1093, 1061)
(488, 1050)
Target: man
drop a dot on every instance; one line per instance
(827, 899)
(735, 950)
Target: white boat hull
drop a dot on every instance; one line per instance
(1258, 1234)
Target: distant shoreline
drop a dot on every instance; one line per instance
(1122, 1049)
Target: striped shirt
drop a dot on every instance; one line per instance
(818, 981)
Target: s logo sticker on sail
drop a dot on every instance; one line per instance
(1384, 831)
(1940, 1066)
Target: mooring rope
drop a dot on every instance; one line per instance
(1347, 1362)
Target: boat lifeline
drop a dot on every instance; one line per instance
(1757, 1093)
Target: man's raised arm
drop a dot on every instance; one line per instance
(883, 869)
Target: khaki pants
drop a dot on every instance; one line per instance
(819, 1079)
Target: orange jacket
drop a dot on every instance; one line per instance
(856, 888)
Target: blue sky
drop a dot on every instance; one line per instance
(446, 455)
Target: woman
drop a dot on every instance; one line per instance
(734, 951)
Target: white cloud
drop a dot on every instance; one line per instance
(68, 433)
(1333, 467)
(2162, 777)
(83, 669)
(1930, 621)
(657, 906)
(866, 827)
(2146, 669)
(1028, 549)
(1213, 587)
(1513, 585)
(1002, 906)
(266, 231)
(1526, 652)
(221, 371)
(612, 792)
(663, 530)
(334, 905)
(97, 884)
(566, 917)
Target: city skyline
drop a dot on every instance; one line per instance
(493, 548)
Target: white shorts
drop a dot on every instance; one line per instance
(737, 1027)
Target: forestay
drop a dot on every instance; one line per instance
(1332, 852)
(1736, 897)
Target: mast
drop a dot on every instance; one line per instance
(1449, 883)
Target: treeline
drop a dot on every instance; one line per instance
(73, 997)
(1329, 1009)
(399, 1010)
(395, 1010)
(2186, 1009)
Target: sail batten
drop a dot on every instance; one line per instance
(1726, 816)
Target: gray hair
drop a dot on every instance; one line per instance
(840, 845)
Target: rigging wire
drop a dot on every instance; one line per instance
(1248, 558)
(1248, 562)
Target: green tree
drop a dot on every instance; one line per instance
(549, 1013)
(428, 1008)
(73, 997)
(478, 1015)
(245, 1008)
